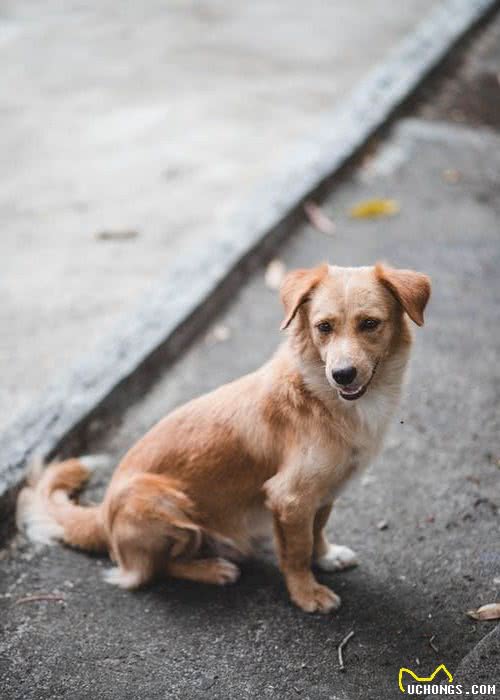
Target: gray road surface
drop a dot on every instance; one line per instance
(436, 484)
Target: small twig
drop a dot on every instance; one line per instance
(118, 235)
(41, 596)
(214, 681)
(432, 645)
(340, 648)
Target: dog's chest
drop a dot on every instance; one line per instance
(365, 444)
(355, 461)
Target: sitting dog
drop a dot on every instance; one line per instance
(279, 442)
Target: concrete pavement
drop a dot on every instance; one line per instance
(435, 485)
(155, 118)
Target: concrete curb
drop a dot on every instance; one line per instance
(480, 665)
(192, 288)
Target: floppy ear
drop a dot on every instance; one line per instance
(411, 289)
(296, 288)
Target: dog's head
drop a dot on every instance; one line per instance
(352, 318)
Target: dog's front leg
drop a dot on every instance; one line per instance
(321, 544)
(327, 556)
(293, 525)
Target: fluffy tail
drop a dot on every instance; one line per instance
(46, 513)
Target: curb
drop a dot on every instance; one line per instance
(193, 288)
(480, 665)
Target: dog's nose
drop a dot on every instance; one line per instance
(345, 376)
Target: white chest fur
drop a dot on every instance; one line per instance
(372, 417)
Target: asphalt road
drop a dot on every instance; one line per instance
(435, 486)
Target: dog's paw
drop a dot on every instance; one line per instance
(316, 598)
(223, 572)
(121, 578)
(337, 558)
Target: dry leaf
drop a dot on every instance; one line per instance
(452, 176)
(368, 479)
(220, 333)
(275, 272)
(373, 208)
(491, 611)
(318, 218)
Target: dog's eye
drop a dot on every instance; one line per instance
(369, 324)
(324, 327)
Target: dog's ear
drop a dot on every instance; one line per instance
(411, 289)
(296, 289)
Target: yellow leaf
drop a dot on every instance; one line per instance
(373, 208)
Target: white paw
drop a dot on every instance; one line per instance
(225, 572)
(337, 558)
(121, 578)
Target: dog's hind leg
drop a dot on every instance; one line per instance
(151, 524)
(218, 571)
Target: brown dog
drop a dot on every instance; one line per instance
(280, 442)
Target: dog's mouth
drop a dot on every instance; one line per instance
(351, 393)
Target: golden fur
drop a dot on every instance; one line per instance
(279, 442)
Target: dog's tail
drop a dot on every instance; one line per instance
(46, 512)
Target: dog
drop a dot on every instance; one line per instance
(273, 447)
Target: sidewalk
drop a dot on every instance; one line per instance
(154, 118)
(434, 485)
